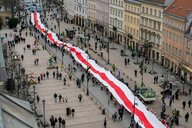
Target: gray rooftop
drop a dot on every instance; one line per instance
(15, 113)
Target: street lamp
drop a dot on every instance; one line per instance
(87, 71)
(34, 99)
(62, 54)
(108, 50)
(44, 113)
(58, 25)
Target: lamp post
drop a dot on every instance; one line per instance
(87, 71)
(34, 99)
(44, 113)
(62, 54)
(108, 50)
(58, 25)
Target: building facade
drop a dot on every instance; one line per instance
(116, 20)
(177, 38)
(151, 26)
(132, 24)
(68, 6)
(81, 12)
(102, 17)
(92, 13)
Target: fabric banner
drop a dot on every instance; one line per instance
(119, 90)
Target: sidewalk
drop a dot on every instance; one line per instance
(118, 60)
(87, 113)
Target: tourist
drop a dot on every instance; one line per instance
(186, 117)
(105, 123)
(55, 96)
(80, 97)
(189, 103)
(184, 104)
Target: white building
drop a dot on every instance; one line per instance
(116, 20)
(68, 6)
(81, 12)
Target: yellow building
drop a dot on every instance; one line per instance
(132, 24)
(92, 13)
(151, 26)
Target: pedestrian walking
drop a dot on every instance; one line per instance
(73, 112)
(55, 96)
(105, 123)
(128, 60)
(186, 117)
(63, 123)
(189, 103)
(125, 61)
(37, 61)
(53, 74)
(60, 97)
(38, 79)
(60, 76)
(82, 77)
(22, 57)
(80, 97)
(60, 121)
(64, 81)
(38, 98)
(135, 73)
(55, 120)
(47, 74)
(57, 75)
(145, 69)
(184, 104)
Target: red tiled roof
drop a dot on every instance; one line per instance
(180, 7)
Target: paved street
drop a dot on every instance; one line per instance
(87, 113)
(116, 59)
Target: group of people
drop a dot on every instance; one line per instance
(54, 121)
(60, 97)
(70, 111)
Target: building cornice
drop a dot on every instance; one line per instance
(153, 3)
(181, 18)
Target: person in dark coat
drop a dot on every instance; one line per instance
(189, 103)
(105, 123)
(186, 117)
(184, 104)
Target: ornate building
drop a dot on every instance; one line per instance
(132, 24)
(92, 13)
(102, 16)
(177, 37)
(152, 24)
(116, 20)
(81, 12)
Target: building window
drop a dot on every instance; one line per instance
(151, 11)
(147, 10)
(155, 12)
(143, 9)
(159, 13)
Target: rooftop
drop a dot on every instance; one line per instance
(155, 1)
(180, 8)
(15, 113)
